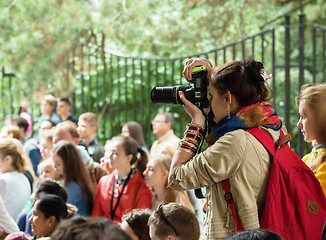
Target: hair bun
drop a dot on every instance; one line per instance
(253, 70)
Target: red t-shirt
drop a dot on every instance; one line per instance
(102, 205)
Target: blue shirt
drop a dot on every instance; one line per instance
(78, 197)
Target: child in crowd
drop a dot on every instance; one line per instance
(46, 170)
(45, 143)
(76, 179)
(124, 189)
(156, 177)
(312, 107)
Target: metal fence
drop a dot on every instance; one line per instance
(117, 87)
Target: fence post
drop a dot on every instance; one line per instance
(287, 70)
(301, 74)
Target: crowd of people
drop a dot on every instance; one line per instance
(60, 183)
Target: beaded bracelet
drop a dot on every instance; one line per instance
(191, 139)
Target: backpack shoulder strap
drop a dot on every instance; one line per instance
(230, 204)
(263, 138)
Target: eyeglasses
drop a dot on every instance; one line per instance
(159, 213)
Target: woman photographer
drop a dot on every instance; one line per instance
(238, 101)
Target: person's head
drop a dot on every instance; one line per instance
(87, 125)
(48, 186)
(66, 130)
(20, 122)
(173, 221)
(46, 170)
(45, 143)
(162, 123)
(10, 157)
(256, 234)
(84, 228)
(157, 171)
(47, 104)
(134, 130)
(312, 106)
(123, 152)
(68, 162)
(235, 85)
(135, 224)
(63, 107)
(12, 131)
(48, 211)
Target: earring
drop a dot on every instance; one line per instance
(229, 115)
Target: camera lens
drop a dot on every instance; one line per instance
(167, 94)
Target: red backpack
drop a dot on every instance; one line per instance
(295, 205)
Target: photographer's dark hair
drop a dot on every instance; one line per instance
(243, 79)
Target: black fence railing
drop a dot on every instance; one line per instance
(117, 86)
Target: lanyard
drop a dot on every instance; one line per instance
(112, 213)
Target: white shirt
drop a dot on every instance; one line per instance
(14, 191)
(7, 223)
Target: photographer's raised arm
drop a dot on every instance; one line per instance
(186, 152)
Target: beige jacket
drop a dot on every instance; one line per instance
(167, 144)
(240, 157)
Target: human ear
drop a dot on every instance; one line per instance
(228, 97)
(8, 159)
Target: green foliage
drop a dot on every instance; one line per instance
(45, 44)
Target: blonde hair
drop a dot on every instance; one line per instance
(164, 162)
(9, 148)
(90, 118)
(14, 132)
(314, 99)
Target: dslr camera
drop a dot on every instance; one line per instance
(196, 94)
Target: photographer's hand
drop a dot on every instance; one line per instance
(192, 63)
(194, 112)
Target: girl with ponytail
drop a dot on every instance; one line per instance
(124, 189)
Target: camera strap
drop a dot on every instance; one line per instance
(208, 125)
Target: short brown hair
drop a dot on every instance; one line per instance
(137, 220)
(49, 99)
(82, 228)
(67, 125)
(90, 118)
(182, 218)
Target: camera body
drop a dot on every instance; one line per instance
(197, 94)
